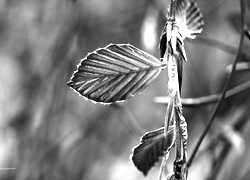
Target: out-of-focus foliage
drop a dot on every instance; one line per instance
(49, 132)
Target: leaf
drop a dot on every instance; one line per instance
(115, 73)
(163, 46)
(152, 146)
(189, 18)
(180, 54)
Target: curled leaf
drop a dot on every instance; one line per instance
(178, 56)
(115, 73)
(164, 45)
(152, 146)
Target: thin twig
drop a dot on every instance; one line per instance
(223, 94)
(205, 100)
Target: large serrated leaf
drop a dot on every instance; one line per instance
(152, 146)
(115, 73)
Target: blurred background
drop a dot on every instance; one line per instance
(48, 132)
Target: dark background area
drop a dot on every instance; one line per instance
(48, 132)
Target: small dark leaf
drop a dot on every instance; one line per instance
(152, 146)
(115, 73)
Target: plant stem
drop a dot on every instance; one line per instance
(172, 9)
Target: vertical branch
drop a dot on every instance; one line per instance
(172, 10)
(180, 163)
(223, 94)
(178, 141)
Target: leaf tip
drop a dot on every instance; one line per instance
(133, 160)
(70, 84)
